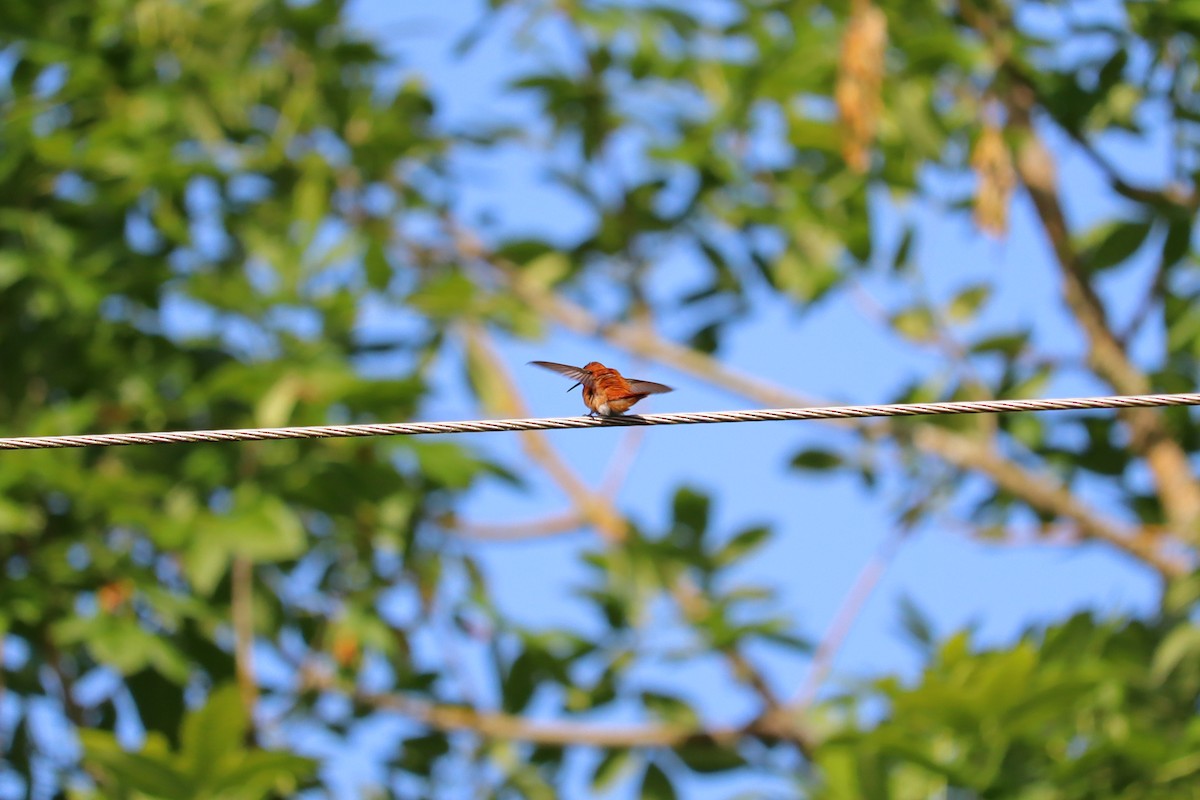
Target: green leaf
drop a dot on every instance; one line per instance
(791, 641)
(1010, 345)
(151, 775)
(1181, 643)
(123, 644)
(421, 752)
(547, 269)
(616, 764)
(1182, 594)
(1115, 244)
(1110, 74)
(261, 774)
(742, 545)
(806, 279)
(706, 339)
(522, 680)
(213, 733)
(447, 464)
(656, 785)
(691, 515)
(900, 260)
(817, 459)
(1099, 454)
(311, 194)
(449, 295)
(159, 701)
(916, 624)
(968, 302)
(376, 266)
(670, 709)
(205, 563)
(266, 529)
(706, 756)
(804, 132)
(916, 323)
(1177, 243)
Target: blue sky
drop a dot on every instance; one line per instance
(828, 528)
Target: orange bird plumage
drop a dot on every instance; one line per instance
(605, 391)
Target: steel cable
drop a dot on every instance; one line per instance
(563, 423)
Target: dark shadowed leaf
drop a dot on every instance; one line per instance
(705, 756)
(916, 625)
(816, 459)
(1116, 243)
(656, 785)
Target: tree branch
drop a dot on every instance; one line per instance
(242, 613)
(641, 340)
(1178, 491)
(510, 727)
(694, 605)
(557, 524)
(1040, 491)
(1170, 196)
(1045, 494)
(449, 717)
(505, 397)
(516, 531)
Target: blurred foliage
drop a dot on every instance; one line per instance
(1072, 711)
(203, 206)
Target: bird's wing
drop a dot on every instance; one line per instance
(648, 387)
(574, 373)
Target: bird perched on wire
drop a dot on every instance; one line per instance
(605, 391)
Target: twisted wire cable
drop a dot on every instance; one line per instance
(562, 423)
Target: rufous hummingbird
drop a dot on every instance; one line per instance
(605, 391)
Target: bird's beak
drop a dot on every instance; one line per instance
(573, 387)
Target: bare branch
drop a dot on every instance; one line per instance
(1044, 493)
(643, 341)
(1177, 490)
(1040, 491)
(242, 612)
(516, 531)
(569, 733)
(565, 733)
(1169, 196)
(694, 605)
(506, 398)
(557, 524)
(497, 725)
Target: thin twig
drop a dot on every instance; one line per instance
(1044, 493)
(1170, 196)
(621, 462)
(516, 531)
(564, 733)
(844, 619)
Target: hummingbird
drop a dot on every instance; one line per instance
(605, 391)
